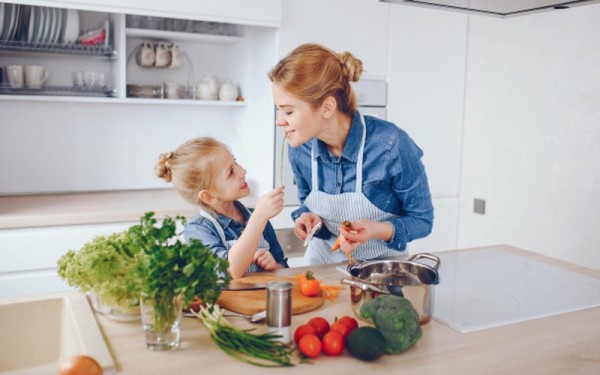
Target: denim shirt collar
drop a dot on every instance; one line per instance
(225, 221)
(352, 146)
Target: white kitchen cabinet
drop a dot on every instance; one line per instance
(205, 52)
(426, 84)
(95, 135)
(255, 12)
(445, 228)
(358, 26)
(29, 255)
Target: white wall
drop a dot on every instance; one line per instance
(532, 130)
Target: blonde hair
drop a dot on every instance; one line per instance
(312, 72)
(190, 167)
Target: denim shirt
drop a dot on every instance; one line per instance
(201, 228)
(394, 178)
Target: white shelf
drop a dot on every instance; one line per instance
(216, 103)
(181, 36)
(157, 101)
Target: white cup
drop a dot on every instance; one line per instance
(146, 55)
(15, 76)
(163, 55)
(78, 78)
(177, 56)
(35, 76)
(90, 79)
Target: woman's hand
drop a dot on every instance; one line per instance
(304, 224)
(264, 259)
(363, 230)
(270, 204)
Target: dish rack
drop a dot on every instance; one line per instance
(70, 48)
(5, 89)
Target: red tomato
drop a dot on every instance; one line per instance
(321, 324)
(309, 285)
(80, 365)
(333, 343)
(342, 328)
(350, 321)
(305, 329)
(310, 346)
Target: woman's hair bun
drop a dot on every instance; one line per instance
(352, 67)
(163, 167)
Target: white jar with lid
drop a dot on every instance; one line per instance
(228, 91)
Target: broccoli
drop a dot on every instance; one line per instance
(396, 319)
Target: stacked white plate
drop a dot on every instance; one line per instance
(38, 24)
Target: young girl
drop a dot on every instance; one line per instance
(206, 174)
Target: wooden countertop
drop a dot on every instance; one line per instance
(89, 208)
(561, 344)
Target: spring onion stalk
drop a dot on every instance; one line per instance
(257, 349)
(282, 160)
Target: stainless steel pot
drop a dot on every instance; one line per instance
(409, 279)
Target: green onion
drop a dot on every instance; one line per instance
(257, 349)
(282, 160)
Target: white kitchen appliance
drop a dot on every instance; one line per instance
(371, 94)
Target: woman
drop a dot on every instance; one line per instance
(347, 166)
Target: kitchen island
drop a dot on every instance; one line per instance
(561, 344)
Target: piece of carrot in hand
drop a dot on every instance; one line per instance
(346, 225)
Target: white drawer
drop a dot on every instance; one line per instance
(40, 248)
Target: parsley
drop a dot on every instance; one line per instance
(170, 268)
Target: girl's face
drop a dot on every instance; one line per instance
(230, 179)
(299, 119)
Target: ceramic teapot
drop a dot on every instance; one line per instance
(228, 91)
(208, 88)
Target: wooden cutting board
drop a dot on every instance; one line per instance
(252, 301)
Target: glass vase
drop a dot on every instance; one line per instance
(161, 320)
(123, 311)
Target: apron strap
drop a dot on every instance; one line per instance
(359, 161)
(217, 226)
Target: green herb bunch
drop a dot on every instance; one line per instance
(256, 349)
(171, 268)
(104, 266)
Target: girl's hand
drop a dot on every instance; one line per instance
(270, 204)
(304, 223)
(264, 259)
(363, 230)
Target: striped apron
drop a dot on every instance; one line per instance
(263, 244)
(336, 208)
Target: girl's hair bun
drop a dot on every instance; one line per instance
(163, 167)
(351, 66)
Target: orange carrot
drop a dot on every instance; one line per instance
(330, 291)
(346, 225)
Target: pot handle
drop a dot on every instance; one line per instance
(431, 257)
(354, 266)
(364, 286)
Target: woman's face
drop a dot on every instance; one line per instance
(298, 118)
(230, 179)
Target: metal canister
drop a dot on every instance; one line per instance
(279, 309)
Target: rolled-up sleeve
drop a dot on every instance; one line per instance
(411, 187)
